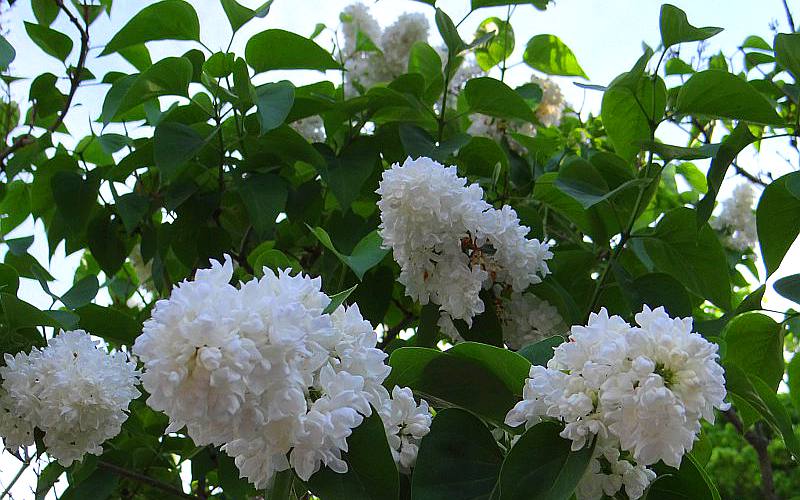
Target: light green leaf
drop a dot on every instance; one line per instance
(548, 54)
(296, 52)
(274, 101)
(499, 47)
(81, 293)
(718, 94)
(494, 98)
(165, 20)
(754, 342)
(675, 27)
(449, 32)
(7, 53)
(787, 52)
(367, 253)
(338, 299)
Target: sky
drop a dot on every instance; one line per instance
(606, 37)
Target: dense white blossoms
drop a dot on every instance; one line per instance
(640, 389)
(737, 220)
(263, 371)
(386, 57)
(406, 423)
(312, 128)
(551, 107)
(527, 319)
(449, 242)
(73, 391)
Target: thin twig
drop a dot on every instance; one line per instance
(141, 478)
(22, 469)
(789, 17)
(74, 83)
(759, 442)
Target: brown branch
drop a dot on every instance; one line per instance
(759, 442)
(141, 478)
(74, 83)
(747, 175)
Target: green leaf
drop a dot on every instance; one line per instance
(688, 482)
(100, 485)
(793, 379)
(548, 54)
(138, 56)
(424, 59)
(675, 28)
(754, 342)
(541, 466)
(449, 32)
(7, 53)
(677, 66)
(265, 197)
(274, 101)
(428, 329)
(631, 108)
(659, 289)
(174, 145)
(81, 293)
(787, 52)
(109, 324)
(367, 254)
(346, 174)
(693, 257)
(508, 366)
(9, 279)
(539, 353)
(539, 4)
(718, 94)
(46, 11)
(238, 15)
(777, 221)
(789, 287)
(169, 76)
(338, 299)
(730, 147)
(20, 314)
(455, 379)
(219, 65)
(47, 478)
(165, 20)
(668, 152)
(499, 47)
(459, 458)
(15, 205)
(762, 398)
(296, 52)
(111, 143)
(494, 98)
(372, 473)
(51, 41)
(107, 239)
(75, 198)
(131, 207)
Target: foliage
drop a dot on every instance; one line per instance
(229, 158)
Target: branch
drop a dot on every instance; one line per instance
(22, 469)
(759, 442)
(789, 17)
(747, 175)
(74, 83)
(141, 478)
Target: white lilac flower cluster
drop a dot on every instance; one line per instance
(388, 57)
(549, 112)
(312, 128)
(527, 319)
(264, 372)
(737, 220)
(449, 242)
(641, 391)
(73, 391)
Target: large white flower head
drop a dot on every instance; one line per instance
(406, 423)
(75, 392)
(527, 319)
(449, 242)
(645, 386)
(398, 38)
(551, 106)
(357, 18)
(737, 220)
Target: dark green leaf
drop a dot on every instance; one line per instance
(754, 342)
(777, 220)
(19, 314)
(338, 299)
(675, 28)
(372, 473)
(81, 293)
(109, 324)
(789, 287)
(658, 289)
(688, 482)
(7, 53)
(793, 379)
(548, 54)
(9, 279)
(131, 207)
(169, 76)
(174, 144)
(787, 52)
(265, 196)
(494, 98)
(47, 478)
(274, 101)
(111, 143)
(165, 20)
(46, 11)
(107, 239)
(541, 466)
(74, 197)
(51, 41)
(718, 94)
(98, 486)
(238, 15)
(296, 52)
(539, 353)
(449, 32)
(539, 4)
(459, 458)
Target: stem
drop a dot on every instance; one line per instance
(759, 442)
(789, 17)
(22, 469)
(141, 478)
(503, 68)
(441, 121)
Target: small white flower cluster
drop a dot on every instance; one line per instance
(312, 128)
(549, 112)
(406, 423)
(641, 390)
(365, 68)
(737, 220)
(449, 242)
(263, 371)
(527, 319)
(73, 391)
